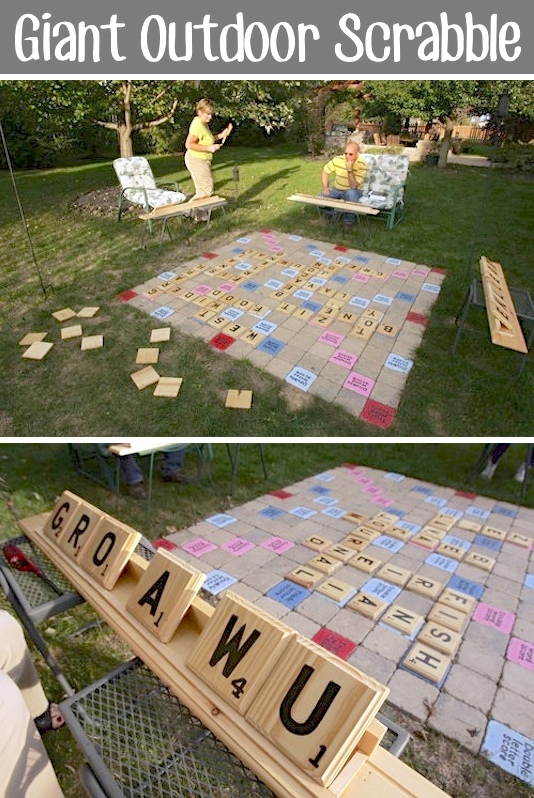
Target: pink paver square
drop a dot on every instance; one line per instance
(221, 341)
(238, 546)
(202, 289)
(331, 338)
(400, 273)
(210, 255)
(343, 358)
(521, 652)
(281, 494)
(227, 287)
(126, 296)
(277, 545)
(417, 318)
(361, 278)
(498, 619)
(359, 383)
(378, 414)
(334, 642)
(198, 547)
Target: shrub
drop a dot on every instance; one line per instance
(516, 156)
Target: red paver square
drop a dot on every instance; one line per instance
(378, 414)
(221, 341)
(265, 230)
(209, 255)
(417, 318)
(465, 495)
(340, 248)
(438, 270)
(126, 296)
(163, 543)
(334, 642)
(281, 494)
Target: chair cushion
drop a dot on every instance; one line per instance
(385, 179)
(135, 174)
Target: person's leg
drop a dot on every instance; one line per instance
(171, 466)
(200, 171)
(26, 769)
(132, 475)
(496, 452)
(16, 661)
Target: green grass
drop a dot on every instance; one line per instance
(452, 217)
(34, 474)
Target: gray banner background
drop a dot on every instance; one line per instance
(320, 59)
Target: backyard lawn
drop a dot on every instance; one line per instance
(32, 475)
(85, 258)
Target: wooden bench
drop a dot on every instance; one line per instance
(338, 205)
(183, 210)
(509, 311)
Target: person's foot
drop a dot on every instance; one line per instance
(489, 471)
(520, 473)
(137, 491)
(50, 720)
(176, 476)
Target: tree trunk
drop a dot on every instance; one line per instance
(125, 141)
(445, 143)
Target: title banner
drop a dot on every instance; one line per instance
(114, 38)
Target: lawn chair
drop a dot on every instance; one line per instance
(139, 187)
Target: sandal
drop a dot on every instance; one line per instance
(50, 720)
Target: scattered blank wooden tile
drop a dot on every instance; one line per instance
(145, 377)
(239, 399)
(38, 350)
(71, 332)
(87, 313)
(92, 342)
(160, 334)
(64, 314)
(169, 387)
(32, 338)
(148, 354)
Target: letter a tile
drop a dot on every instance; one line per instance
(164, 594)
(238, 649)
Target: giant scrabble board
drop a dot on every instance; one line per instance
(340, 323)
(427, 589)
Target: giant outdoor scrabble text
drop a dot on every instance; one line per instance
(300, 717)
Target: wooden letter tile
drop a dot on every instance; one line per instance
(430, 588)
(367, 564)
(457, 600)
(479, 561)
(314, 708)
(394, 574)
(78, 535)
(336, 590)
(108, 550)
(328, 565)
(427, 662)
(305, 576)
(164, 594)
(317, 543)
(448, 616)
(238, 649)
(402, 620)
(61, 517)
(439, 637)
(367, 605)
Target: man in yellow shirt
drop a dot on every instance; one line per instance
(349, 173)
